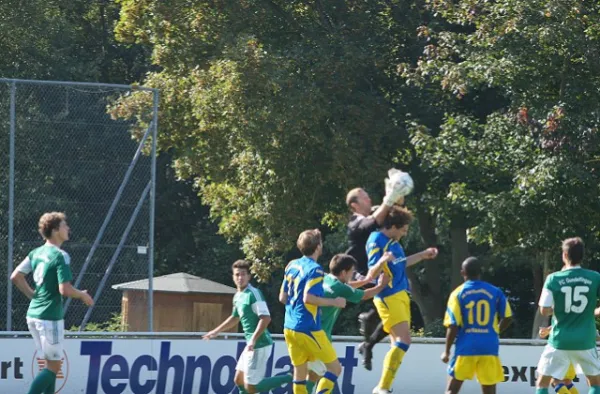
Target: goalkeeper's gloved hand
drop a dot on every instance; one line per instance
(393, 193)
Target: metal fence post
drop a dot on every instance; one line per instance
(152, 210)
(11, 205)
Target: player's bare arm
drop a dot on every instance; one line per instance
(451, 333)
(263, 323)
(375, 271)
(283, 297)
(384, 280)
(230, 322)
(546, 310)
(19, 280)
(504, 323)
(312, 299)
(66, 289)
(427, 254)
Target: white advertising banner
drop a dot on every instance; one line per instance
(193, 366)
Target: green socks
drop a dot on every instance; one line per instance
(267, 384)
(541, 391)
(310, 386)
(43, 382)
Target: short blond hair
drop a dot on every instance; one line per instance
(309, 241)
(49, 222)
(352, 196)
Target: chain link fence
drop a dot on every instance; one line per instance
(60, 150)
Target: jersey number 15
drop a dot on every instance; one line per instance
(576, 294)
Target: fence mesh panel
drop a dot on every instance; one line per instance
(70, 156)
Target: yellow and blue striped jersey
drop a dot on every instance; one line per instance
(302, 276)
(476, 308)
(379, 243)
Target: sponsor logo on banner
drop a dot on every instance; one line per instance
(172, 373)
(38, 363)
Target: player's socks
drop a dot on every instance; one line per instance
(561, 389)
(572, 389)
(594, 390)
(299, 386)
(242, 389)
(326, 383)
(541, 391)
(42, 381)
(267, 384)
(391, 363)
(310, 385)
(378, 335)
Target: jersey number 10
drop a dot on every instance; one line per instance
(576, 294)
(481, 310)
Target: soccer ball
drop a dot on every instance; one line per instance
(399, 180)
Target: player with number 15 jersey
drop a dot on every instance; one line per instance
(570, 296)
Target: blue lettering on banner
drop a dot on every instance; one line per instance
(112, 374)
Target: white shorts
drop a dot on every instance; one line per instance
(555, 362)
(48, 336)
(317, 367)
(254, 364)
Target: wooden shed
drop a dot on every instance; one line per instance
(182, 303)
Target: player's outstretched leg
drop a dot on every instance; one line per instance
(400, 334)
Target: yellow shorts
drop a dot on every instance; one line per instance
(488, 369)
(394, 309)
(570, 373)
(304, 347)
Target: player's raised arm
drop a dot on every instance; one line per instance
(427, 254)
(375, 270)
(18, 278)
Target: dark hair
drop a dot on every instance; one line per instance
(341, 262)
(575, 249)
(242, 265)
(49, 222)
(397, 217)
(472, 268)
(308, 241)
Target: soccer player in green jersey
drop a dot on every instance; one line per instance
(335, 284)
(250, 308)
(571, 296)
(52, 277)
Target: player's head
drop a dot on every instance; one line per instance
(395, 224)
(358, 201)
(53, 227)
(241, 273)
(342, 267)
(573, 251)
(471, 269)
(310, 243)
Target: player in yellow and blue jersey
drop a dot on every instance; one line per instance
(302, 293)
(477, 312)
(393, 303)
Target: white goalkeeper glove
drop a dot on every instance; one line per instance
(393, 193)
